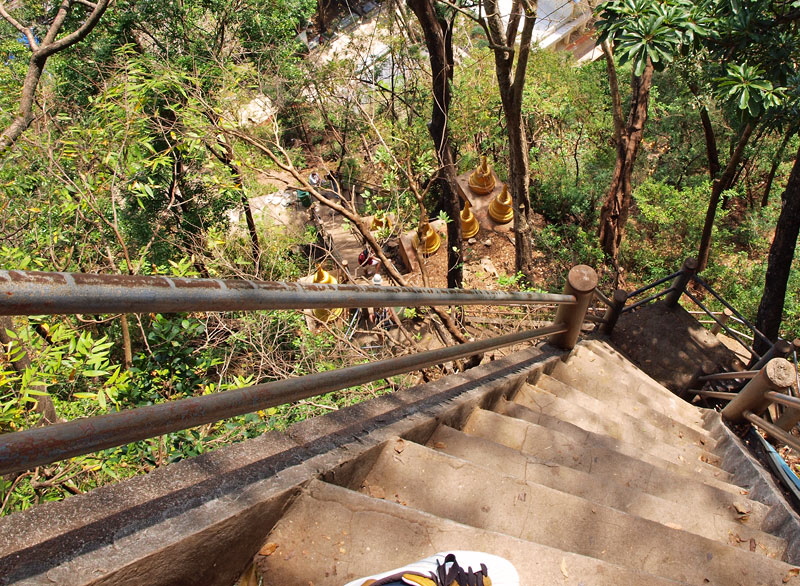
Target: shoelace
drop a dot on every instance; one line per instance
(458, 575)
(454, 576)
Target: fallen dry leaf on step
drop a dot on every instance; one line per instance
(752, 544)
(268, 549)
(793, 573)
(439, 445)
(399, 446)
(564, 568)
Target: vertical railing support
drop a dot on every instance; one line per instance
(723, 319)
(776, 375)
(613, 312)
(581, 282)
(688, 270)
(780, 349)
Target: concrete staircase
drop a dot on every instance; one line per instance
(588, 472)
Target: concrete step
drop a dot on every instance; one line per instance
(711, 520)
(610, 373)
(332, 535)
(619, 424)
(426, 480)
(551, 446)
(575, 423)
(619, 398)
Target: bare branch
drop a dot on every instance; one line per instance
(23, 29)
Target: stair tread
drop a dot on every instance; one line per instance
(574, 423)
(549, 445)
(612, 372)
(710, 518)
(427, 480)
(621, 399)
(332, 535)
(620, 424)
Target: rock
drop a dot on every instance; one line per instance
(471, 241)
(487, 242)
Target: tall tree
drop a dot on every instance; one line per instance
(437, 26)
(779, 263)
(511, 65)
(649, 35)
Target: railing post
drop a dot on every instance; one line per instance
(581, 282)
(612, 313)
(780, 349)
(775, 376)
(688, 270)
(723, 319)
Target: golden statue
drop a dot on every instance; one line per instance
(501, 209)
(469, 223)
(481, 181)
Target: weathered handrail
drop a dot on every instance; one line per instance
(39, 293)
(725, 327)
(756, 332)
(23, 450)
(736, 375)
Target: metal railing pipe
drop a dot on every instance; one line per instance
(602, 297)
(27, 449)
(646, 300)
(773, 430)
(738, 316)
(716, 394)
(38, 293)
(744, 374)
(654, 284)
(775, 376)
(728, 330)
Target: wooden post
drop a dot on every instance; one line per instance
(612, 314)
(688, 270)
(790, 417)
(780, 349)
(723, 319)
(581, 282)
(775, 376)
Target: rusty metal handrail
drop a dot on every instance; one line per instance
(39, 293)
(744, 374)
(23, 450)
(724, 326)
(756, 332)
(773, 430)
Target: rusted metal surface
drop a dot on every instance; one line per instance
(39, 293)
(773, 430)
(743, 374)
(23, 450)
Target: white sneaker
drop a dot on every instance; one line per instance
(452, 568)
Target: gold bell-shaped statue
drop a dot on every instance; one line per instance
(481, 181)
(431, 241)
(501, 209)
(469, 223)
(379, 222)
(323, 277)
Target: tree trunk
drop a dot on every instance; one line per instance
(774, 169)
(779, 264)
(511, 83)
(720, 184)
(439, 42)
(614, 213)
